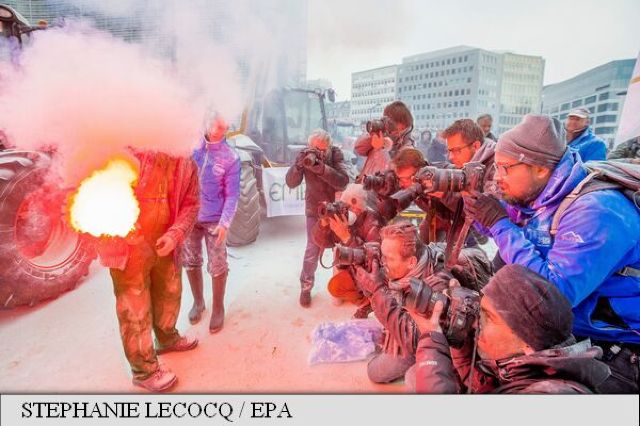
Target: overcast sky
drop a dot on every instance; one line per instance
(572, 36)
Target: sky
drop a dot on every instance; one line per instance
(572, 36)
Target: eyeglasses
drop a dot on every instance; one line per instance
(503, 169)
(458, 149)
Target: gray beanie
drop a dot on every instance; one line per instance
(532, 307)
(538, 140)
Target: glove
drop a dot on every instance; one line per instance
(484, 209)
(369, 282)
(439, 281)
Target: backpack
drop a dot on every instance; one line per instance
(623, 175)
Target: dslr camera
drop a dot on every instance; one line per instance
(357, 256)
(382, 183)
(461, 308)
(329, 209)
(311, 157)
(433, 179)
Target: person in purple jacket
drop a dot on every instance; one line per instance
(219, 177)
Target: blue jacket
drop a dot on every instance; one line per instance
(589, 146)
(219, 178)
(598, 235)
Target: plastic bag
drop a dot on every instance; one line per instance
(348, 341)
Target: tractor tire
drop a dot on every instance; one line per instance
(41, 256)
(245, 226)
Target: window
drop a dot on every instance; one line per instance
(603, 96)
(604, 130)
(606, 119)
(564, 106)
(590, 100)
(576, 103)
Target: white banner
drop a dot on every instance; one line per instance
(281, 200)
(629, 126)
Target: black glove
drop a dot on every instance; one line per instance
(439, 281)
(484, 209)
(369, 282)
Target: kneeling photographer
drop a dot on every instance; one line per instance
(404, 257)
(524, 341)
(351, 221)
(324, 171)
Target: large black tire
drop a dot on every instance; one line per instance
(40, 255)
(245, 226)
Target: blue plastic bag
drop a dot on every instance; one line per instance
(347, 341)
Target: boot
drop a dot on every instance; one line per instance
(195, 281)
(217, 308)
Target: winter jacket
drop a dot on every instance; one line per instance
(183, 195)
(589, 146)
(628, 149)
(365, 229)
(219, 176)
(387, 303)
(571, 368)
(597, 236)
(363, 144)
(320, 187)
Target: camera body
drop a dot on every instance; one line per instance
(467, 179)
(461, 308)
(329, 209)
(382, 183)
(357, 256)
(376, 126)
(312, 157)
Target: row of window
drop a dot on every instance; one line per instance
(450, 104)
(373, 83)
(430, 85)
(434, 74)
(439, 117)
(450, 61)
(579, 102)
(373, 92)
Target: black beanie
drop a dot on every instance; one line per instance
(531, 306)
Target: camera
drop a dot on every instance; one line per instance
(376, 126)
(336, 208)
(383, 183)
(312, 157)
(467, 179)
(357, 256)
(460, 311)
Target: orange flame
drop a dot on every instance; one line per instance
(105, 204)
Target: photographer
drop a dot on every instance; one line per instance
(354, 222)
(323, 168)
(404, 257)
(384, 138)
(589, 250)
(524, 344)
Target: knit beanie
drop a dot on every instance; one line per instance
(538, 140)
(532, 307)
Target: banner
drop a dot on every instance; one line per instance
(629, 126)
(281, 200)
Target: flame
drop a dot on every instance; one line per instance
(105, 204)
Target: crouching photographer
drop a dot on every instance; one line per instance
(350, 221)
(524, 340)
(322, 167)
(404, 257)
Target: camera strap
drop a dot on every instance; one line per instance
(473, 360)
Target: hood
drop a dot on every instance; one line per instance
(486, 153)
(571, 361)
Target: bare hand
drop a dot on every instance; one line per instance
(340, 226)
(427, 325)
(221, 231)
(165, 245)
(377, 141)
